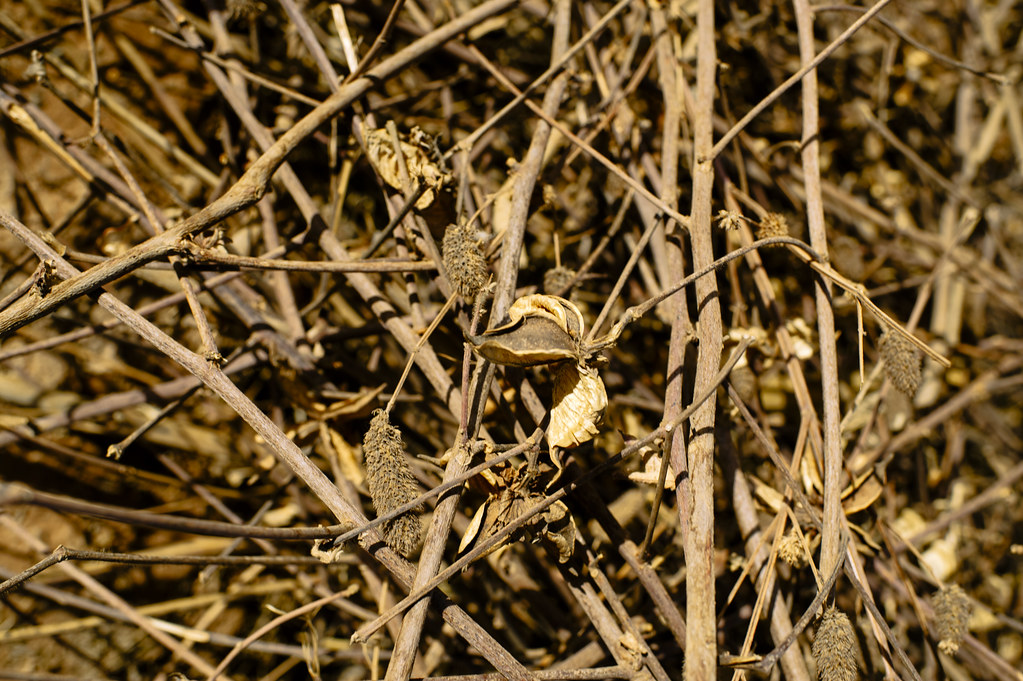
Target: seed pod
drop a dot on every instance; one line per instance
(834, 648)
(527, 342)
(563, 312)
(901, 361)
(951, 612)
(463, 261)
(391, 483)
(549, 330)
(543, 329)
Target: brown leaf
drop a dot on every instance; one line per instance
(579, 404)
(559, 530)
(421, 168)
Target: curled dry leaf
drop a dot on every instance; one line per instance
(418, 155)
(579, 404)
(559, 530)
(499, 510)
(560, 310)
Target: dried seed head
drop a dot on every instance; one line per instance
(728, 220)
(834, 648)
(790, 550)
(556, 279)
(951, 612)
(391, 483)
(464, 261)
(773, 224)
(901, 361)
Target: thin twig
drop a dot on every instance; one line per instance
(63, 553)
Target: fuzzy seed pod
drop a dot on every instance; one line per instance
(901, 362)
(951, 613)
(391, 483)
(834, 648)
(773, 224)
(464, 261)
(556, 279)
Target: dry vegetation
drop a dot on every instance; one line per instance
(215, 267)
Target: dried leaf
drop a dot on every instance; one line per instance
(346, 457)
(421, 168)
(579, 404)
(499, 510)
(559, 530)
(652, 461)
(861, 493)
(474, 527)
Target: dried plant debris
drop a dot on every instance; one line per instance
(420, 155)
(744, 380)
(391, 483)
(834, 647)
(328, 551)
(901, 361)
(315, 347)
(464, 262)
(512, 495)
(952, 610)
(728, 220)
